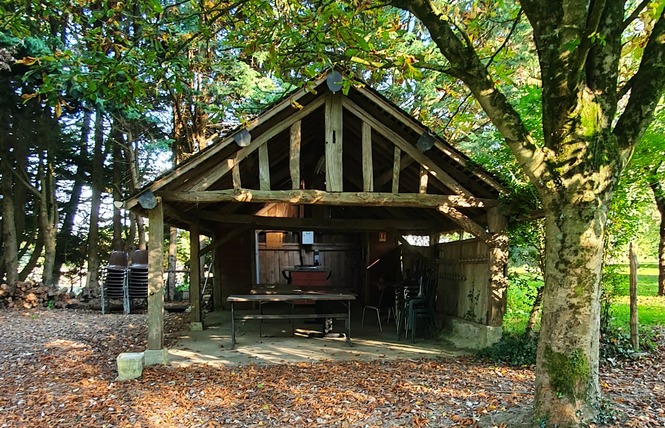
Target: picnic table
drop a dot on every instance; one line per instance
(312, 296)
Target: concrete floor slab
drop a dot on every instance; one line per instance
(278, 344)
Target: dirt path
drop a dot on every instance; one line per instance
(57, 369)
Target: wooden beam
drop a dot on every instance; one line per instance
(264, 168)
(333, 137)
(216, 174)
(368, 166)
(217, 299)
(445, 148)
(423, 180)
(397, 153)
(156, 277)
(314, 197)
(464, 222)
(195, 277)
(295, 140)
(218, 241)
(294, 223)
(409, 148)
(235, 174)
(422, 252)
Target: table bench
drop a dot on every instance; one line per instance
(344, 298)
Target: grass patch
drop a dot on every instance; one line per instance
(650, 311)
(647, 280)
(651, 308)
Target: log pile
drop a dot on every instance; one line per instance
(28, 295)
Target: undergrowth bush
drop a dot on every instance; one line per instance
(520, 349)
(512, 349)
(615, 343)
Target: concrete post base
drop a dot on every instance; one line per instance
(196, 326)
(471, 335)
(130, 365)
(156, 356)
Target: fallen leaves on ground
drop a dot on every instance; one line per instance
(57, 369)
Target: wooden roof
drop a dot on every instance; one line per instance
(353, 162)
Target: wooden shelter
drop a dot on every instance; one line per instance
(352, 168)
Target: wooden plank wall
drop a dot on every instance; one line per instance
(463, 279)
(343, 259)
(236, 261)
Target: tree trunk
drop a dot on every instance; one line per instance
(567, 387)
(117, 188)
(97, 179)
(659, 193)
(535, 310)
(48, 216)
(133, 171)
(9, 239)
(64, 240)
(36, 253)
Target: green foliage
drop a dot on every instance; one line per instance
(514, 349)
(615, 343)
(611, 283)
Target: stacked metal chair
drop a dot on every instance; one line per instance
(138, 275)
(114, 284)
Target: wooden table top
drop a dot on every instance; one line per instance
(312, 295)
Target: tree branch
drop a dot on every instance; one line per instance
(633, 16)
(647, 88)
(507, 39)
(465, 65)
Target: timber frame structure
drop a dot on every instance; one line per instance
(350, 162)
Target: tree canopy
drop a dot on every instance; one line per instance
(555, 96)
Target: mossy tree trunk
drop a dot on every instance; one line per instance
(659, 194)
(586, 144)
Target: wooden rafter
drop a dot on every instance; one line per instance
(264, 168)
(436, 171)
(464, 222)
(368, 167)
(443, 147)
(295, 143)
(214, 175)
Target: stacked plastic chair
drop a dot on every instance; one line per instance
(115, 279)
(138, 275)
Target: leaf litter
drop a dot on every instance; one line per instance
(57, 369)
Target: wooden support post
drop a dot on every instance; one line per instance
(172, 263)
(264, 168)
(368, 167)
(498, 260)
(396, 169)
(156, 277)
(423, 180)
(217, 281)
(333, 136)
(294, 155)
(634, 334)
(235, 174)
(195, 278)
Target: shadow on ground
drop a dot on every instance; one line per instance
(279, 342)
